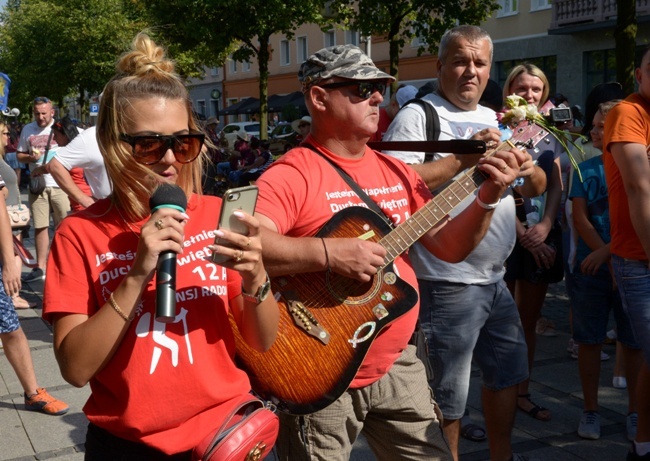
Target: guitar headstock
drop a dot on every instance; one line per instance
(527, 135)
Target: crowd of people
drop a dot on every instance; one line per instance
(476, 276)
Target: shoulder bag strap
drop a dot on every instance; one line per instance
(355, 187)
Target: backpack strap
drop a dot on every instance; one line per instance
(432, 122)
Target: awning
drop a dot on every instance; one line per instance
(239, 107)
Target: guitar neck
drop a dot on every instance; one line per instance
(426, 218)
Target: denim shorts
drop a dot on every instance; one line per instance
(8, 318)
(593, 297)
(464, 321)
(633, 279)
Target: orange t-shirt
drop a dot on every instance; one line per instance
(301, 191)
(627, 122)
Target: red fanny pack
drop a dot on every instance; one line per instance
(247, 434)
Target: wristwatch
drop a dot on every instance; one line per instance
(261, 293)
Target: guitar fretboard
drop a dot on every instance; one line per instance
(405, 235)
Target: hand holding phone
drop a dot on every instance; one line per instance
(240, 198)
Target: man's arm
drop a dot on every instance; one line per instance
(62, 177)
(352, 257)
(453, 240)
(632, 161)
(436, 173)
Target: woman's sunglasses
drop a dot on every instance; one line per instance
(150, 149)
(365, 89)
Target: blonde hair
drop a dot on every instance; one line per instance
(530, 69)
(142, 73)
(605, 107)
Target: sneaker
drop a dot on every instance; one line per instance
(632, 456)
(589, 427)
(35, 275)
(630, 425)
(604, 356)
(42, 401)
(619, 382)
(610, 338)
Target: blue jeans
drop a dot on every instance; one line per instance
(464, 321)
(592, 298)
(633, 279)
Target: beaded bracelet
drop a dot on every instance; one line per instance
(120, 312)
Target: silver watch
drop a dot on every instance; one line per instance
(261, 293)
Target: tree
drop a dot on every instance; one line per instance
(56, 48)
(625, 38)
(214, 29)
(403, 20)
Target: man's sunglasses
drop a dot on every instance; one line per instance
(365, 89)
(41, 100)
(150, 149)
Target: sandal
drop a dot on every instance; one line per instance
(22, 303)
(535, 411)
(473, 432)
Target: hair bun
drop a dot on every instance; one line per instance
(146, 56)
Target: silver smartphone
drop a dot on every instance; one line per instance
(239, 198)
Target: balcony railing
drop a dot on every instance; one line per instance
(573, 12)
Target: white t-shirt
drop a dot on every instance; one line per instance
(83, 152)
(486, 263)
(33, 136)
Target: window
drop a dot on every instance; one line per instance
(302, 49)
(200, 107)
(352, 37)
(329, 38)
(246, 66)
(285, 58)
(214, 104)
(507, 8)
(536, 5)
(548, 65)
(233, 66)
(600, 67)
(214, 71)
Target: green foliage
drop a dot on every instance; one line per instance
(401, 21)
(211, 31)
(57, 48)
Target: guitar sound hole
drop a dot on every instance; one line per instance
(351, 291)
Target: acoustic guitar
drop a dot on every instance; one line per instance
(328, 322)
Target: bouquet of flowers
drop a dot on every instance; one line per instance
(518, 110)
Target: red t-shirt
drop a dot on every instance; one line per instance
(168, 385)
(627, 122)
(301, 191)
(77, 175)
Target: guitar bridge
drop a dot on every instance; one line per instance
(307, 322)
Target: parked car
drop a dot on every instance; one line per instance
(231, 130)
(282, 138)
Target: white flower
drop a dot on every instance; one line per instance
(531, 112)
(513, 101)
(518, 113)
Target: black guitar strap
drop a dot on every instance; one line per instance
(355, 187)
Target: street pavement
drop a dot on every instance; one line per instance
(555, 384)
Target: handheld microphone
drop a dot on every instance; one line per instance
(167, 196)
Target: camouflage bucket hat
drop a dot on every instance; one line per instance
(346, 61)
